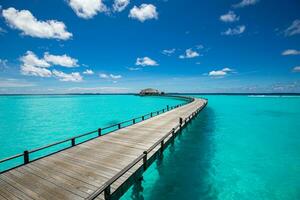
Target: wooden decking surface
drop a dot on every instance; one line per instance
(77, 172)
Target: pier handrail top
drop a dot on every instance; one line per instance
(187, 98)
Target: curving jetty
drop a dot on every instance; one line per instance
(102, 168)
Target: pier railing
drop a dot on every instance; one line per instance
(106, 188)
(73, 141)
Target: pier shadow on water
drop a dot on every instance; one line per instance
(184, 170)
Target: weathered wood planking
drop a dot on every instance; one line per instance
(77, 172)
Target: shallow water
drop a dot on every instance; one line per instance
(28, 122)
(239, 147)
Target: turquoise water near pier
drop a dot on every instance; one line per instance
(32, 121)
(238, 148)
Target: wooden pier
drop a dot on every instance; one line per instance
(102, 168)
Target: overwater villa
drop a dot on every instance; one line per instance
(150, 91)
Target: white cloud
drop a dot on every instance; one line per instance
(105, 76)
(99, 89)
(120, 5)
(73, 77)
(217, 73)
(146, 61)
(34, 66)
(296, 69)
(245, 3)
(87, 8)
(221, 72)
(189, 53)
(115, 76)
(29, 25)
(63, 60)
(109, 76)
(88, 71)
(31, 59)
(134, 68)
(293, 29)
(168, 52)
(30, 70)
(144, 12)
(290, 52)
(235, 31)
(229, 17)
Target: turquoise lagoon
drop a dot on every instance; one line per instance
(238, 148)
(31, 121)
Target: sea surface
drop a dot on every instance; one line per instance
(31, 121)
(238, 148)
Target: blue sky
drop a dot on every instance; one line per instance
(63, 46)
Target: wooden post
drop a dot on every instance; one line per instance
(119, 126)
(73, 142)
(151, 114)
(173, 133)
(167, 107)
(163, 110)
(161, 147)
(133, 121)
(180, 121)
(99, 131)
(145, 160)
(143, 118)
(107, 193)
(26, 157)
(157, 112)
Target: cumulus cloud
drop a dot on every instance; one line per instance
(229, 17)
(29, 25)
(88, 72)
(31, 59)
(62, 60)
(144, 12)
(120, 5)
(72, 77)
(168, 52)
(245, 3)
(35, 71)
(296, 69)
(145, 61)
(289, 52)
(31, 65)
(235, 31)
(189, 53)
(293, 29)
(221, 72)
(87, 8)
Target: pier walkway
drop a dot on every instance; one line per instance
(100, 168)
